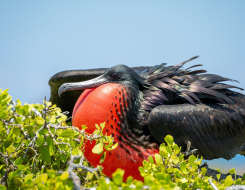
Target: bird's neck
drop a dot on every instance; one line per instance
(134, 120)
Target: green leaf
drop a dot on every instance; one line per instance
(41, 178)
(58, 162)
(243, 177)
(176, 160)
(25, 109)
(142, 171)
(232, 171)
(163, 151)
(17, 182)
(50, 145)
(149, 180)
(183, 180)
(228, 181)
(28, 176)
(84, 127)
(113, 147)
(169, 139)
(67, 133)
(2, 187)
(102, 125)
(238, 181)
(158, 159)
(117, 176)
(204, 170)
(10, 149)
(51, 173)
(40, 140)
(3, 114)
(218, 176)
(40, 120)
(218, 170)
(170, 170)
(129, 180)
(98, 148)
(16, 131)
(102, 158)
(45, 154)
(18, 161)
(183, 168)
(21, 167)
(192, 158)
(151, 160)
(160, 176)
(64, 176)
(63, 158)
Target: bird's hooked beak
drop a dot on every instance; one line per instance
(93, 83)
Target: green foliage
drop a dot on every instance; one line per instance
(36, 144)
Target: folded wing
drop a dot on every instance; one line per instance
(216, 130)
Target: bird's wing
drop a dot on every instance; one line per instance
(68, 99)
(216, 130)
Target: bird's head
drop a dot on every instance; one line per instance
(120, 74)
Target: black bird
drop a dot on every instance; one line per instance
(189, 105)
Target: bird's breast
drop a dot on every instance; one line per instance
(110, 103)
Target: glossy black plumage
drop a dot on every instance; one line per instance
(187, 104)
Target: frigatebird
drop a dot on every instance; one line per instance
(140, 108)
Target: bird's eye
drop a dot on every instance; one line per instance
(116, 76)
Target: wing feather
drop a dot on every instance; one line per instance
(207, 126)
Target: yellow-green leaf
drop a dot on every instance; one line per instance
(50, 145)
(218, 170)
(232, 171)
(228, 181)
(151, 160)
(113, 147)
(64, 176)
(102, 125)
(41, 178)
(218, 176)
(67, 133)
(158, 159)
(40, 140)
(183, 180)
(97, 126)
(204, 170)
(10, 149)
(117, 176)
(183, 168)
(98, 148)
(21, 167)
(39, 120)
(142, 171)
(3, 114)
(84, 127)
(192, 158)
(169, 139)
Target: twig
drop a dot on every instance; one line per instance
(212, 184)
(73, 175)
(188, 149)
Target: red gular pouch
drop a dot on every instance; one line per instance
(100, 105)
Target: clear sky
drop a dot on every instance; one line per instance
(41, 38)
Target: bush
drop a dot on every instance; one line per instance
(40, 150)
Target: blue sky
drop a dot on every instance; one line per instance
(41, 38)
